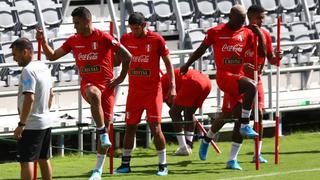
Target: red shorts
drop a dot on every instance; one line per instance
(107, 98)
(193, 93)
(138, 102)
(228, 83)
(230, 102)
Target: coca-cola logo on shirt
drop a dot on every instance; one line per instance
(142, 58)
(89, 56)
(232, 48)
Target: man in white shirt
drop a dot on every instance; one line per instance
(34, 100)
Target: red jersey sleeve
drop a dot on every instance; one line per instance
(164, 51)
(66, 46)
(209, 38)
(111, 42)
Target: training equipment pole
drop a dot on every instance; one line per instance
(111, 122)
(35, 168)
(256, 103)
(276, 153)
(213, 144)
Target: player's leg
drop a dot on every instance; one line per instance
(94, 97)
(189, 125)
(44, 162)
(134, 110)
(154, 112)
(27, 154)
(175, 114)
(26, 172)
(46, 169)
(248, 88)
(160, 144)
(103, 142)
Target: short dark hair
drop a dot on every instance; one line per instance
(255, 9)
(136, 18)
(22, 43)
(81, 12)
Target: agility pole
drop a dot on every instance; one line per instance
(111, 132)
(35, 167)
(276, 151)
(213, 144)
(256, 103)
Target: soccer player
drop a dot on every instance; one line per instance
(256, 15)
(92, 51)
(145, 91)
(192, 89)
(229, 42)
(34, 100)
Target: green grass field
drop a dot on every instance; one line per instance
(299, 159)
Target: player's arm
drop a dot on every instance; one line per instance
(195, 56)
(125, 56)
(48, 51)
(172, 83)
(274, 57)
(24, 113)
(116, 60)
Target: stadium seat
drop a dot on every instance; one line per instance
(223, 8)
(52, 13)
(187, 10)
(8, 21)
(291, 10)
(272, 8)
(143, 6)
(313, 6)
(164, 16)
(248, 3)
(302, 32)
(206, 13)
(27, 18)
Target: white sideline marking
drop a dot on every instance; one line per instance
(273, 174)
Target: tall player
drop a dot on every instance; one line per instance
(145, 91)
(229, 42)
(192, 89)
(92, 51)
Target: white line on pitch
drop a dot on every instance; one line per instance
(273, 174)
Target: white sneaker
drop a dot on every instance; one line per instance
(96, 175)
(184, 151)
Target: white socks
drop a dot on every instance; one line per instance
(210, 134)
(181, 139)
(235, 148)
(127, 152)
(189, 135)
(259, 149)
(100, 162)
(245, 113)
(162, 154)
